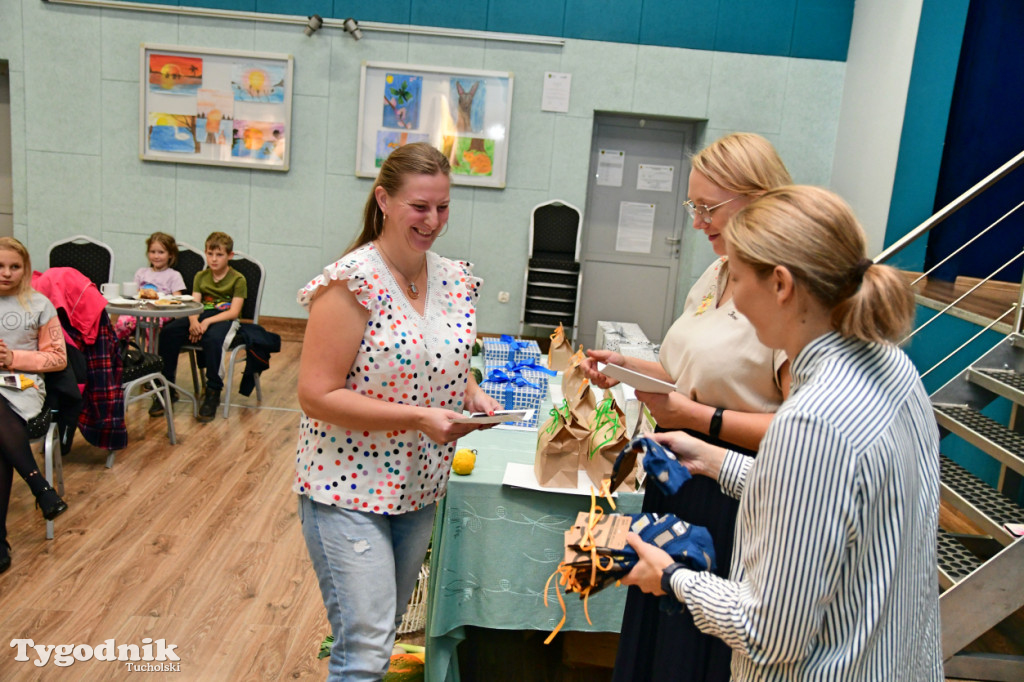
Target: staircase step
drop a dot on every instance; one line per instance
(980, 502)
(984, 433)
(956, 562)
(1004, 382)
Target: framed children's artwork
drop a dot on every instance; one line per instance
(465, 113)
(215, 107)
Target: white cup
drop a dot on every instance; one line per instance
(110, 290)
(129, 289)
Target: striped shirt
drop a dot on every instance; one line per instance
(835, 577)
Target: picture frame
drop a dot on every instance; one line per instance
(465, 113)
(215, 107)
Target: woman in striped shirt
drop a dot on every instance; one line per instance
(834, 574)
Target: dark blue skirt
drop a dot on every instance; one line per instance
(656, 644)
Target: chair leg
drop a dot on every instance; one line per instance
(259, 389)
(110, 459)
(168, 410)
(52, 467)
(229, 380)
(195, 370)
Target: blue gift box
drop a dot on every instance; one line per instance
(532, 370)
(506, 349)
(515, 392)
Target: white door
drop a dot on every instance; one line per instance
(633, 222)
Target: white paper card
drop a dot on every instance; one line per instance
(636, 227)
(641, 382)
(655, 178)
(499, 417)
(610, 163)
(556, 92)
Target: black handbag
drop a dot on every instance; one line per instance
(131, 355)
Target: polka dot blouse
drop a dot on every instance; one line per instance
(404, 358)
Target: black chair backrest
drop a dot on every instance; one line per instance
(91, 259)
(190, 263)
(554, 229)
(253, 273)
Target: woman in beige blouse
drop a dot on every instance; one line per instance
(727, 386)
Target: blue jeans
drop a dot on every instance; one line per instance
(367, 565)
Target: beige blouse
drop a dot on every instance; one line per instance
(713, 354)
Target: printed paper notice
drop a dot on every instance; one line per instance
(636, 227)
(610, 163)
(556, 92)
(655, 178)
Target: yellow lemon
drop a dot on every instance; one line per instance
(465, 460)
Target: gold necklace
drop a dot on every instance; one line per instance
(411, 290)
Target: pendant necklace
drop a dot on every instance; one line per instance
(411, 290)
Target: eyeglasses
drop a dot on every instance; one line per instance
(703, 210)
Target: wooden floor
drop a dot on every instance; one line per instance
(197, 544)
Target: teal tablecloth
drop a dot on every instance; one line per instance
(494, 547)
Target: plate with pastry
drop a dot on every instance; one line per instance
(147, 294)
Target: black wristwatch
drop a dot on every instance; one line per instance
(666, 578)
(716, 423)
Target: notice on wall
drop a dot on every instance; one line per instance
(610, 163)
(636, 227)
(655, 178)
(556, 92)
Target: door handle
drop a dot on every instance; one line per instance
(673, 240)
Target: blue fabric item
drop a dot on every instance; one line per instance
(688, 544)
(661, 465)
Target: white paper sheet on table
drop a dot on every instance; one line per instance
(519, 475)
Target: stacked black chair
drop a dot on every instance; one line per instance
(553, 277)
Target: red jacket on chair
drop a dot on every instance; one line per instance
(82, 311)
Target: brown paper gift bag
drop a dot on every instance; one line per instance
(560, 443)
(584, 405)
(573, 379)
(560, 351)
(608, 436)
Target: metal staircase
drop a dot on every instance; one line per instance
(982, 576)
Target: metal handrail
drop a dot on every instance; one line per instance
(960, 298)
(950, 208)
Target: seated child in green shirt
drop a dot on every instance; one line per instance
(222, 291)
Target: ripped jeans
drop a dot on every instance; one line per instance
(367, 565)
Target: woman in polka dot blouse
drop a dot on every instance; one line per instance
(385, 368)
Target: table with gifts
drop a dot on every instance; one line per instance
(495, 547)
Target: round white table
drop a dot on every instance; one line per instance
(149, 315)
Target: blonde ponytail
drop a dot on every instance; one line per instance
(814, 234)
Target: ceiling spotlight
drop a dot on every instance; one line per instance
(313, 25)
(352, 26)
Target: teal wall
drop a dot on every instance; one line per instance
(929, 94)
(813, 29)
(75, 129)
